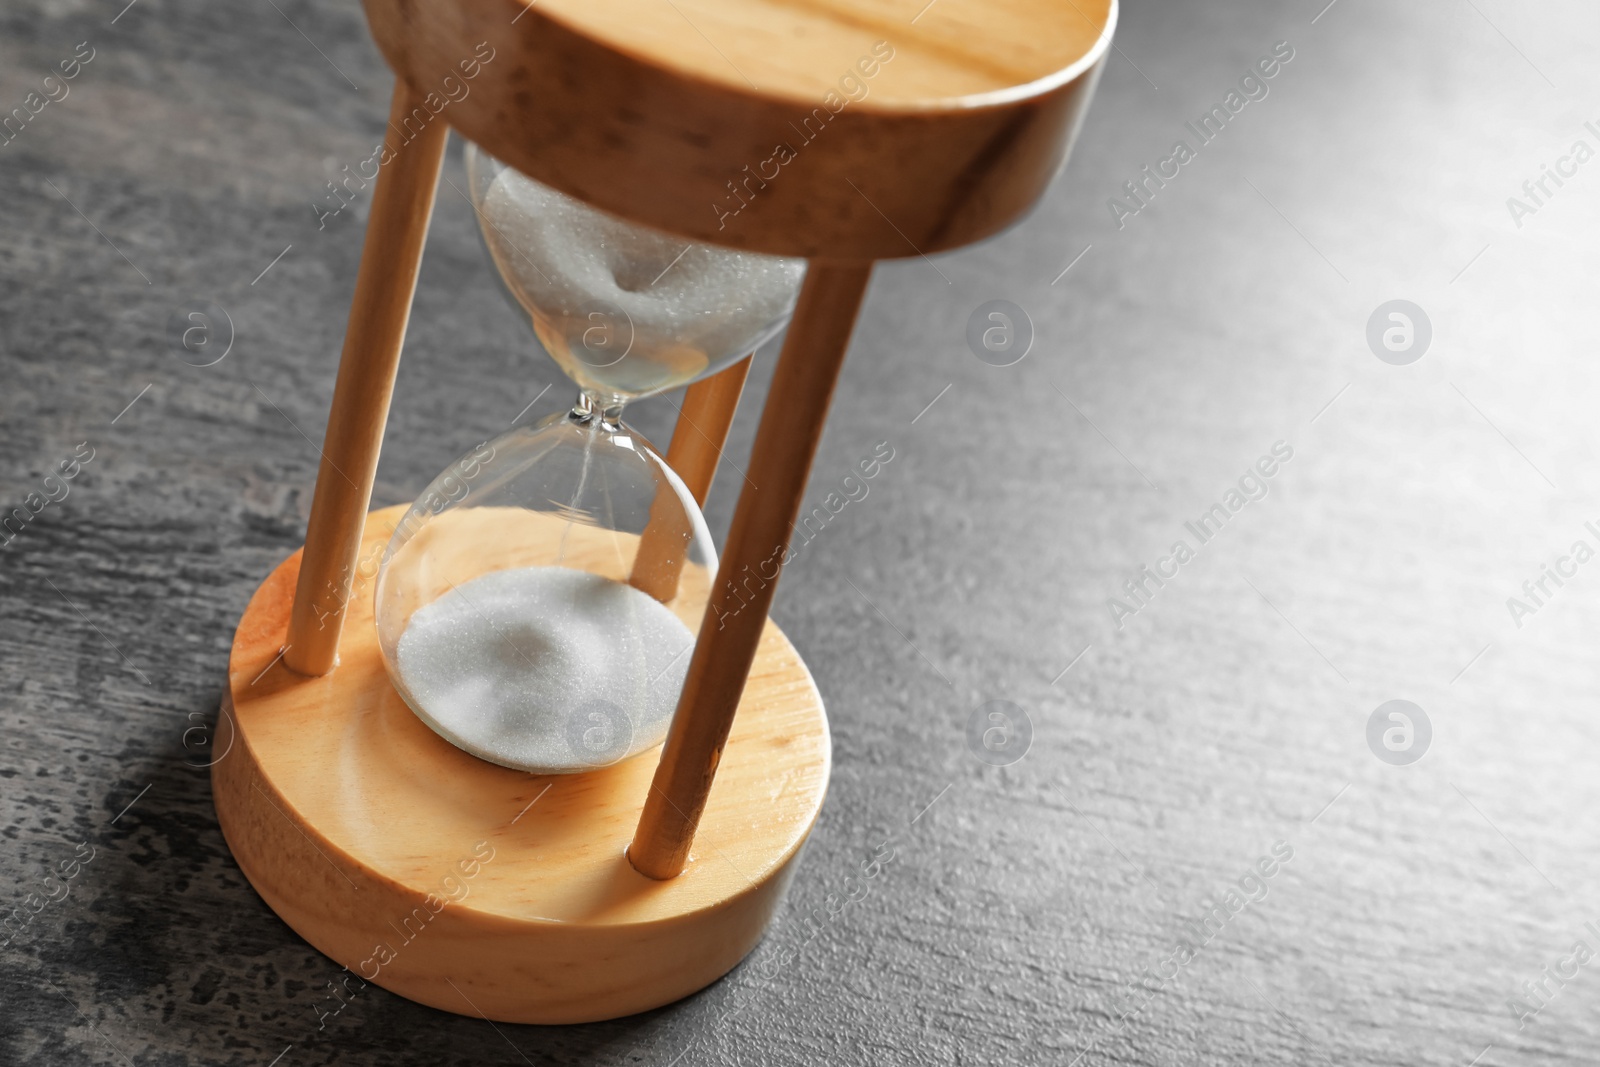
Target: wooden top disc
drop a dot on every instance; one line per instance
(822, 128)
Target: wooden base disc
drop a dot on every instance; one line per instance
(483, 890)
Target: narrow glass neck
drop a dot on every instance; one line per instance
(604, 412)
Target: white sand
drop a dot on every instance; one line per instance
(545, 669)
(679, 296)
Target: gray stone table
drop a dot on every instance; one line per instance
(1052, 910)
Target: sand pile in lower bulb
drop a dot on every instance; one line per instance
(545, 669)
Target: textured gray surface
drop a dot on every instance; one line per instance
(1032, 907)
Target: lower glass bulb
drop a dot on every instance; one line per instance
(538, 603)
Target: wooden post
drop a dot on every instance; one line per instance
(780, 463)
(402, 202)
(703, 423)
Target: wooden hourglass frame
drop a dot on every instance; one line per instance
(842, 133)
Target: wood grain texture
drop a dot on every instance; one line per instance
(487, 891)
(806, 129)
(402, 205)
(747, 579)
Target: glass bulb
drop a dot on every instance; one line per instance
(625, 311)
(538, 603)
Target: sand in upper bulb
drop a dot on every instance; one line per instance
(674, 305)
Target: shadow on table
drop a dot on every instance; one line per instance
(161, 952)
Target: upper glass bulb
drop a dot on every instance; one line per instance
(625, 311)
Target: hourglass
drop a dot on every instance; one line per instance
(536, 605)
(530, 749)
